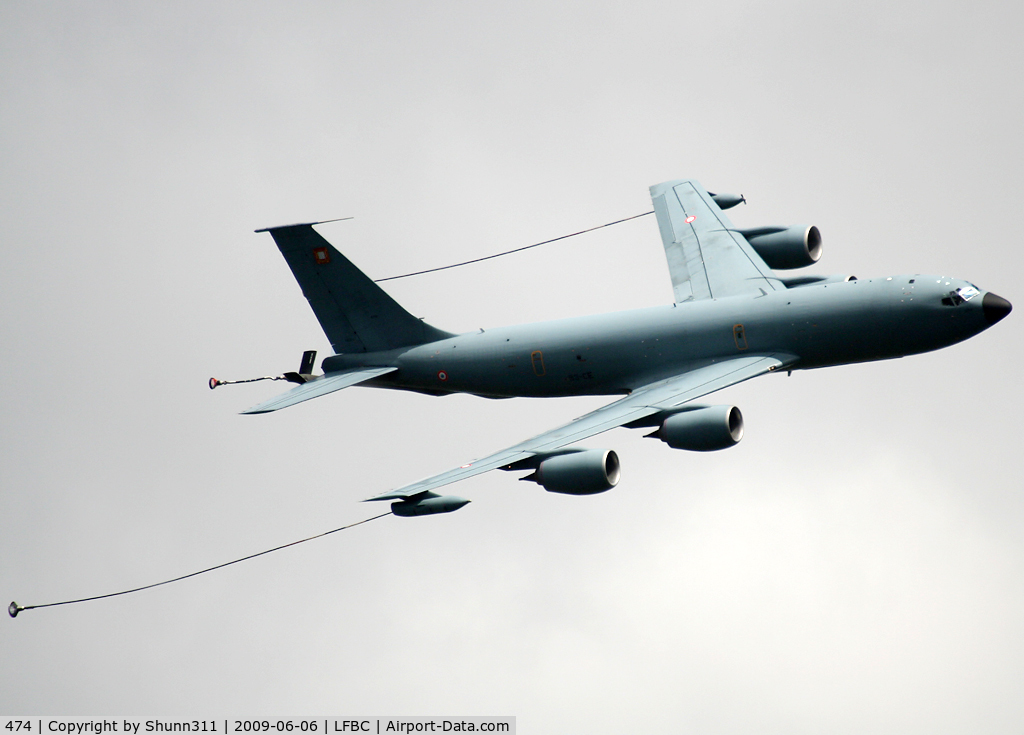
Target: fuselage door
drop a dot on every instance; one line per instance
(740, 335)
(537, 359)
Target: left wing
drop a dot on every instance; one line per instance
(640, 403)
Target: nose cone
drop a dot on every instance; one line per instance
(995, 307)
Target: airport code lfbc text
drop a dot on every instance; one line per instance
(320, 726)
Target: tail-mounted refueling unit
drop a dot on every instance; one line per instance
(304, 375)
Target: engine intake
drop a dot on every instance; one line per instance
(785, 248)
(702, 430)
(586, 472)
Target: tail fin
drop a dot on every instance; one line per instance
(355, 313)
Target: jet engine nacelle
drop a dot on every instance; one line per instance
(579, 473)
(785, 248)
(703, 429)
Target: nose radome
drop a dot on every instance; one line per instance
(995, 307)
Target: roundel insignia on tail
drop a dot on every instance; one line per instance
(442, 375)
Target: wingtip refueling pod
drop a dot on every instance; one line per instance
(427, 504)
(727, 201)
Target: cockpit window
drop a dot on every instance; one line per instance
(960, 296)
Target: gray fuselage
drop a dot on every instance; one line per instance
(822, 325)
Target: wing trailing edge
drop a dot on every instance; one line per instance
(319, 386)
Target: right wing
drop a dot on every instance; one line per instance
(707, 257)
(642, 402)
(320, 386)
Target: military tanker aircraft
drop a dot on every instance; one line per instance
(734, 318)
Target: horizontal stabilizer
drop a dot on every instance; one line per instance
(319, 387)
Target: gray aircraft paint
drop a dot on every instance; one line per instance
(606, 354)
(733, 319)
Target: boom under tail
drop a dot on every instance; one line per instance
(354, 312)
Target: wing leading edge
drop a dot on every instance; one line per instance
(707, 257)
(643, 402)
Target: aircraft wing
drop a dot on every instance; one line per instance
(707, 257)
(320, 386)
(650, 399)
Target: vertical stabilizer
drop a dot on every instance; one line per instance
(354, 312)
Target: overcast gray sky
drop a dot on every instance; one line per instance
(856, 564)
